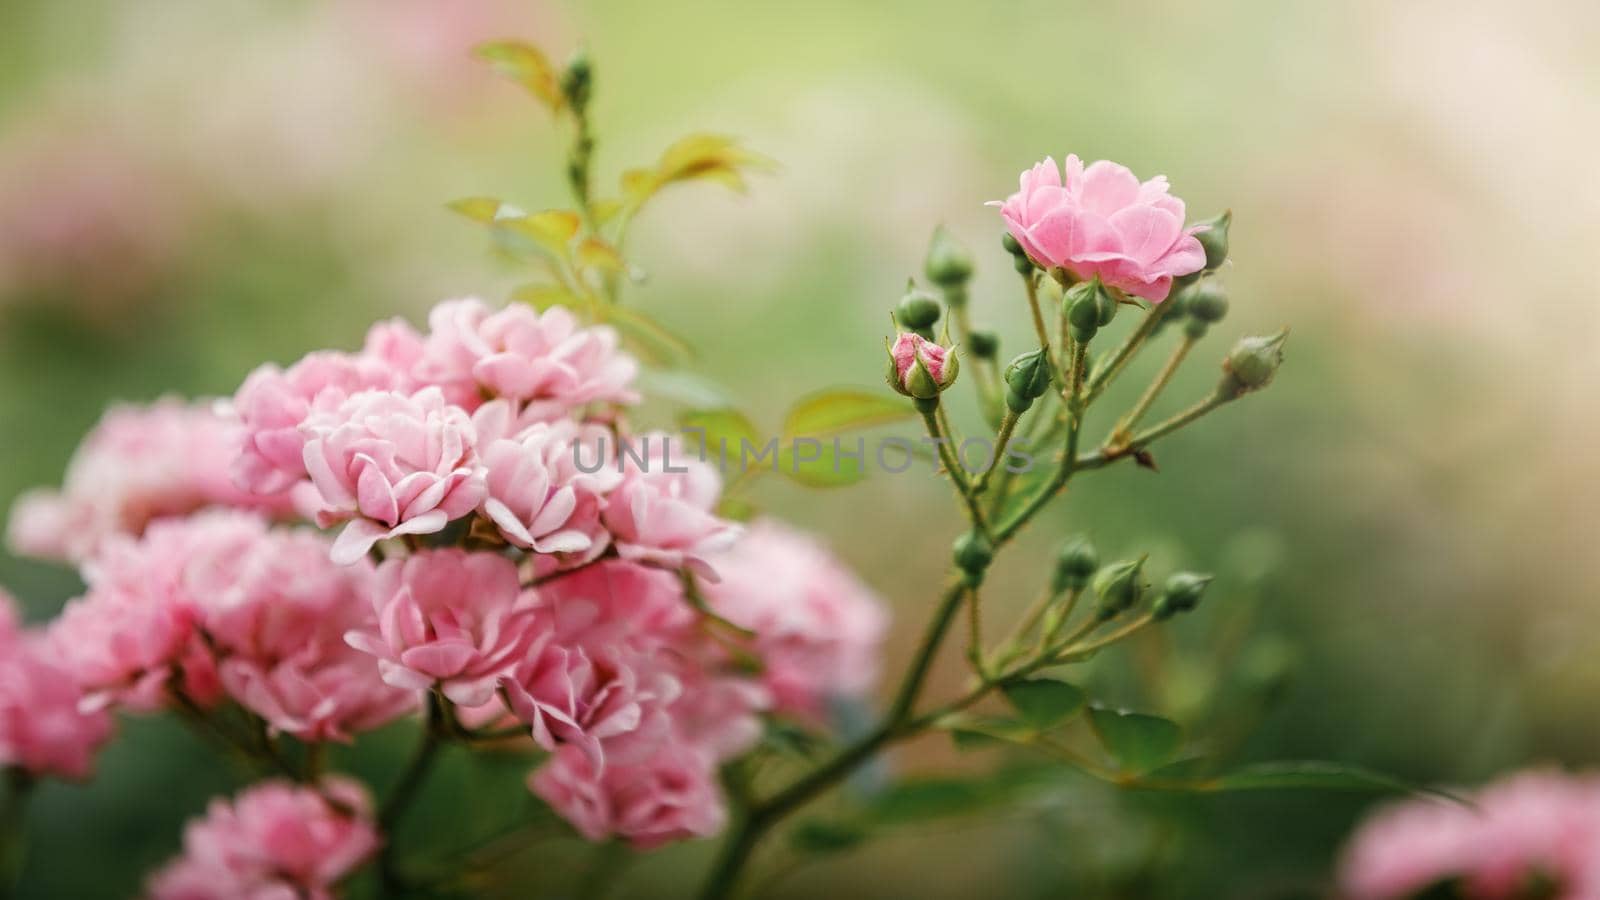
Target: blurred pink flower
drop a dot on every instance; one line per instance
(610, 703)
(1101, 221)
(1540, 825)
(131, 632)
(670, 796)
(276, 840)
(819, 630)
(545, 361)
(537, 495)
(272, 403)
(393, 464)
(615, 602)
(42, 730)
(138, 464)
(448, 618)
(663, 512)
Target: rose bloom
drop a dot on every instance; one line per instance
(392, 464)
(1102, 222)
(819, 630)
(272, 403)
(663, 512)
(138, 464)
(615, 602)
(908, 348)
(670, 796)
(448, 618)
(538, 497)
(546, 362)
(42, 729)
(275, 841)
(134, 628)
(1540, 827)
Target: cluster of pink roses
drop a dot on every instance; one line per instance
(496, 546)
(1534, 834)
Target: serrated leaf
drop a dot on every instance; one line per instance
(552, 229)
(818, 464)
(835, 410)
(648, 338)
(721, 429)
(544, 296)
(1044, 703)
(595, 253)
(478, 209)
(1138, 742)
(526, 65)
(917, 801)
(821, 836)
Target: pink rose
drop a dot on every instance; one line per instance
(663, 511)
(611, 703)
(907, 349)
(133, 631)
(538, 496)
(448, 618)
(1532, 824)
(393, 465)
(1101, 221)
(138, 464)
(546, 362)
(615, 602)
(670, 796)
(819, 630)
(275, 840)
(42, 730)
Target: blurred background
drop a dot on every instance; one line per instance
(1402, 525)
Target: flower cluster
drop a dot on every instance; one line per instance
(1534, 834)
(42, 729)
(274, 840)
(503, 545)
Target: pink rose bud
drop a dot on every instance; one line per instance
(920, 368)
(1101, 221)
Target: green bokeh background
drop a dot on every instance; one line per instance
(1410, 505)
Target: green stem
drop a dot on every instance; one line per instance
(748, 830)
(1157, 385)
(952, 465)
(1032, 286)
(1104, 375)
(1008, 425)
(986, 370)
(1076, 651)
(1107, 455)
(406, 788)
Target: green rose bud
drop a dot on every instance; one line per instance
(1215, 239)
(1207, 302)
(1011, 245)
(1181, 593)
(973, 553)
(984, 344)
(1024, 264)
(1252, 363)
(577, 81)
(1076, 562)
(917, 311)
(948, 263)
(1117, 587)
(1082, 305)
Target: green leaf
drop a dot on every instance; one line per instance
(544, 296)
(722, 428)
(647, 337)
(1044, 703)
(1304, 774)
(834, 410)
(552, 229)
(816, 464)
(911, 802)
(526, 65)
(970, 732)
(821, 836)
(478, 209)
(707, 157)
(1138, 742)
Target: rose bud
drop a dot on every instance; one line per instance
(984, 344)
(1181, 593)
(1214, 238)
(1027, 378)
(920, 368)
(917, 311)
(1082, 305)
(1076, 562)
(1118, 587)
(948, 263)
(1207, 302)
(1252, 363)
(972, 554)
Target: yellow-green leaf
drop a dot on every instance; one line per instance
(552, 229)
(835, 410)
(544, 296)
(719, 429)
(478, 209)
(710, 157)
(815, 463)
(595, 253)
(526, 65)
